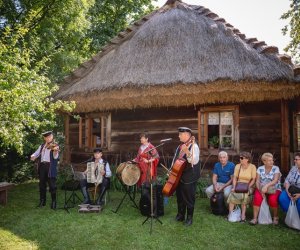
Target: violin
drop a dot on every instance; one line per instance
(176, 170)
(52, 146)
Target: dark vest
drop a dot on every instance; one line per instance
(190, 173)
(53, 163)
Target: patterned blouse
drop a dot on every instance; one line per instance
(293, 177)
(268, 177)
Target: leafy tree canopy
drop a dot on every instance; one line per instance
(293, 29)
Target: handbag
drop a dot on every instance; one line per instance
(235, 215)
(264, 216)
(241, 187)
(292, 217)
(294, 190)
(271, 189)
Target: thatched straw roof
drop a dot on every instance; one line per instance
(180, 55)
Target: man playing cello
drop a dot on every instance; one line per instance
(186, 189)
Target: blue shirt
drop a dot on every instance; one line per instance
(224, 173)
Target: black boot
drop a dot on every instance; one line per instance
(179, 217)
(53, 202)
(189, 219)
(42, 203)
(101, 195)
(86, 195)
(42, 199)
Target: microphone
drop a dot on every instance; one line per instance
(166, 140)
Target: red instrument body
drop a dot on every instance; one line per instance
(174, 177)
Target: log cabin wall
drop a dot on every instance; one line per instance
(259, 132)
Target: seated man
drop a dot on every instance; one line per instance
(105, 182)
(222, 176)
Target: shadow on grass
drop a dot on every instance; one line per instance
(25, 227)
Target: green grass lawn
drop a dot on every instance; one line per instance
(22, 226)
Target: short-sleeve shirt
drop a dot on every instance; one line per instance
(223, 173)
(245, 175)
(293, 177)
(268, 177)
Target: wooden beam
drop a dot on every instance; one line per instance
(285, 138)
(66, 152)
(80, 133)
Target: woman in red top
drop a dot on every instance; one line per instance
(147, 160)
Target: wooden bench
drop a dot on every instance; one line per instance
(4, 187)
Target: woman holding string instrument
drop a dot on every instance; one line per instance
(183, 176)
(47, 156)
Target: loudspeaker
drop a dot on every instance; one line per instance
(158, 200)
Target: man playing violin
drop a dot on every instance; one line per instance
(186, 189)
(47, 156)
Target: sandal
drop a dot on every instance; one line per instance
(253, 222)
(275, 220)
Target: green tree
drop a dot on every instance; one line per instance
(69, 32)
(293, 29)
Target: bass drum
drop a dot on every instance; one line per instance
(128, 173)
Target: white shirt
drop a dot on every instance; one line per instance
(45, 154)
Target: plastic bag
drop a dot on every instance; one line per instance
(264, 216)
(292, 217)
(235, 215)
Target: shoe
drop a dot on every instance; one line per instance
(243, 220)
(188, 221)
(42, 203)
(253, 222)
(179, 217)
(275, 220)
(53, 205)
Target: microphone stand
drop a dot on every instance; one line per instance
(152, 215)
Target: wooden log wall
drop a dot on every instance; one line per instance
(259, 131)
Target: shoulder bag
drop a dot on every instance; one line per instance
(241, 187)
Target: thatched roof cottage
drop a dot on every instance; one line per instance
(183, 65)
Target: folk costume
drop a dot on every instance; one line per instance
(103, 187)
(47, 162)
(186, 189)
(150, 153)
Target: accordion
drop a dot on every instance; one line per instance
(93, 174)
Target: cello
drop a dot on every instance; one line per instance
(176, 171)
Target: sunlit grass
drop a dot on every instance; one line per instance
(22, 226)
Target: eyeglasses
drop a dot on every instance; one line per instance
(296, 159)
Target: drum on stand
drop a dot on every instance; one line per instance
(128, 173)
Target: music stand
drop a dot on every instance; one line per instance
(152, 215)
(127, 192)
(72, 185)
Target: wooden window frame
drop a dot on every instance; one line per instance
(203, 126)
(87, 120)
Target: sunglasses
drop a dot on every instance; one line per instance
(242, 158)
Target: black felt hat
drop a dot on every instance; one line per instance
(47, 133)
(184, 129)
(97, 150)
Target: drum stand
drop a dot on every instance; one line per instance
(127, 192)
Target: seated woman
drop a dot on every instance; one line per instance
(267, 185)
(292, 187)
(244, 172)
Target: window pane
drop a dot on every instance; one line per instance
(96, 132)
